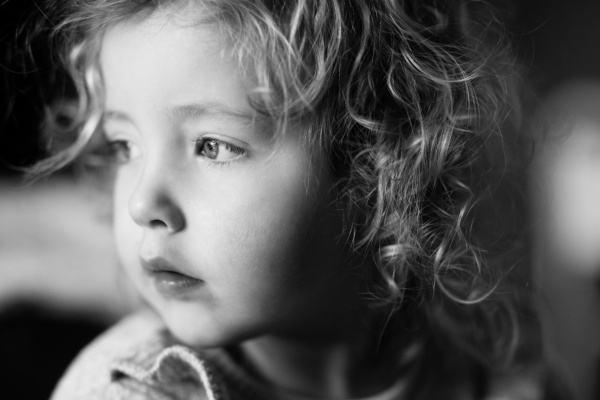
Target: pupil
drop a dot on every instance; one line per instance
(211, 149)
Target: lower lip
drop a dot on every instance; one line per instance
(174, 284)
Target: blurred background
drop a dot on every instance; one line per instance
(60, 285)
(59, 281)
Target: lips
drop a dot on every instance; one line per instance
(168, 279)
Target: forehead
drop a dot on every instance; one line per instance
(166, 58)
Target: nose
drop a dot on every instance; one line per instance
(153, 205)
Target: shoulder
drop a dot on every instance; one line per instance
(133, 343)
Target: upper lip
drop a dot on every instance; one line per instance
(160, 264)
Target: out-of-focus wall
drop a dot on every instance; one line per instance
(558, 39)
(559, 44)
(566, 189)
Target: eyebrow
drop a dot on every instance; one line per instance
(115, 115)
(210, 110)
(196, 111)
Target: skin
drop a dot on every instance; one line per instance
(257, 225)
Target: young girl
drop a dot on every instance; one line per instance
(294, 190)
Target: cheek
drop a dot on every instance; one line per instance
(264, 215)
(125, 231)
(245, 231)
(269, 231)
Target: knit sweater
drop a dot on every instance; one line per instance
(138, 359)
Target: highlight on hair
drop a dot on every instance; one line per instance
(410, 98)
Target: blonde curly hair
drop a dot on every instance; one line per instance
(414, 101)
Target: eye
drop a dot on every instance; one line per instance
(218, 150)
(107, 152)
(120, 151)
(111, 149)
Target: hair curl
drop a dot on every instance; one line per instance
(411, 100)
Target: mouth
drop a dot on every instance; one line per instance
(168, 279)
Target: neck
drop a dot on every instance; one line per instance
(343, 367)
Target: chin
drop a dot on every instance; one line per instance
(196, 333)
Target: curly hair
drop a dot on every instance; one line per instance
(413, 100)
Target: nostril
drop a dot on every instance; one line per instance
(157, 223)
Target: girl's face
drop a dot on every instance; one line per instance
(226, 234)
